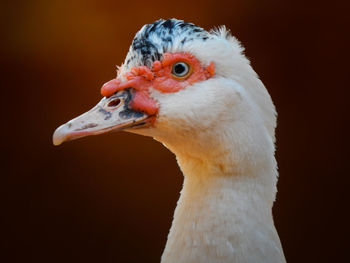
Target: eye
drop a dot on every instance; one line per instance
(180, 70)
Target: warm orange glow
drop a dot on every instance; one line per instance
(110, 198)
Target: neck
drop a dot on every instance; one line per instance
(224, 215)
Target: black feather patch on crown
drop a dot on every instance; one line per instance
(153, 40)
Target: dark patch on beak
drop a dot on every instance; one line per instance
(87, 126)
(106, 113)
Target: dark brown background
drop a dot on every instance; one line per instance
(110, 198)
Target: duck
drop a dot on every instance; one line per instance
(196, 92)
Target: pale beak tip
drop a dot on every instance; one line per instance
(59, 136)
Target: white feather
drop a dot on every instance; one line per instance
(222, 133)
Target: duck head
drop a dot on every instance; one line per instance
(183, 86)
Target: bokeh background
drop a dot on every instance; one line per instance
(110, 198)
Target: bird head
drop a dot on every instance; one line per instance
(183, 86)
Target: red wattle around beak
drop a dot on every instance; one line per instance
(141, 100)
(110, 87)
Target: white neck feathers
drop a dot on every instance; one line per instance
(221, 218)
(224, 211)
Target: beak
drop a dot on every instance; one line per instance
(110, 114)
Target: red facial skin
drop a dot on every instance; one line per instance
(160, 78)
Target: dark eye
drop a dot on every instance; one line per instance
(180, 69)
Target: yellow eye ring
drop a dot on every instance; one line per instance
(181, 70)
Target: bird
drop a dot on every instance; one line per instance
(195, 91)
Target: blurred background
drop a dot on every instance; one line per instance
(110, 198)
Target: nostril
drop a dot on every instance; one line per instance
(114, 103)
